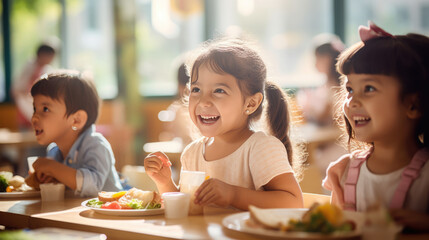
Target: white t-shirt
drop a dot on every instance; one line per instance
(381, 187)
(258, 160)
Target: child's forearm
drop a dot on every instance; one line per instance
(244, 197)
(65, 175)
(170, 186)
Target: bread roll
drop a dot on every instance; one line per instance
(107, 196)
(32, 181)
(267, 219)
(16, 181)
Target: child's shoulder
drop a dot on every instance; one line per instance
(262, 138)
(93, 139)
(196, 144)
(340, 164)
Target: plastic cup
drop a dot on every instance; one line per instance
(30, 161)
(52, 191)
(176, 204)
(189, 183)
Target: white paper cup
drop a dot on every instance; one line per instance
(52, 191)
(189, 183)
(30, 161)
(176, 204)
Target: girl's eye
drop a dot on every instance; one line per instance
(195, 89)
(45, 109)
(219, 90)
(369, 88)
(349, 90)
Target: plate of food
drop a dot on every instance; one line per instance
(15, 186)
(134, 202)
(319, 222)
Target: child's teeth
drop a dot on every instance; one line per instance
(203, 117)
(361, 118)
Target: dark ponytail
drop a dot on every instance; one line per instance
(277, 114)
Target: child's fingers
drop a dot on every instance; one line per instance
(165, 161)
(207, 198)
(153, 162)
(49, 179)
(150, 170)
(44, 178)
(202, 191)
(39, 176)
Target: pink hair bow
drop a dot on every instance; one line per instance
(372, 31)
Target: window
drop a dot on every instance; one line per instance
(89, 42)
(32, 22)
(164, 31)
(396, 16)
(283, 28)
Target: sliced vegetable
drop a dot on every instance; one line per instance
(135, 204)
(94, 203)
(111, 205)
(3, 184)
(119, 194)
(9, 189)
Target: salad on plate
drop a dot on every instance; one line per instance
(126, 200)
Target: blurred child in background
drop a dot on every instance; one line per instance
(30, 73)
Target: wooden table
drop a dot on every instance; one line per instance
(68, 214)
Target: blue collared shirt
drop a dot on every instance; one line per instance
(92, 156)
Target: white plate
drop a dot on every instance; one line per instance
(127, 212)
(237, 222)
(19, 194)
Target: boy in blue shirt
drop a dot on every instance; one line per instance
(66, 106)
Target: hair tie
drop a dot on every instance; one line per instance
(372, 31)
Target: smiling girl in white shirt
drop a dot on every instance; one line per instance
(228, 86)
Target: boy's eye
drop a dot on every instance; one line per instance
(369, 88)
(45, 109)
(219, 90)
(195, 89)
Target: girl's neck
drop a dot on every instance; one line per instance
(221, 146)
(387, 158)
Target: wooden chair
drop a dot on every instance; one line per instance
(311, 198)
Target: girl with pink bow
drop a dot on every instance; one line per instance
(384, 109)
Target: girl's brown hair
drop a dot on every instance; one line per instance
(77, 92)
(405, 57)
(235, 57)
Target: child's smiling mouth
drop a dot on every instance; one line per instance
(361, 121)
(38, 132)
(208, 119)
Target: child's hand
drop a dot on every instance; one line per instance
(411, 219)
(214, 191)
(44, 169)
(157, 166)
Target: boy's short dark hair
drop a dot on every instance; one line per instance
(77, 92)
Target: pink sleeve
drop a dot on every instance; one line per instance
(332, 181)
